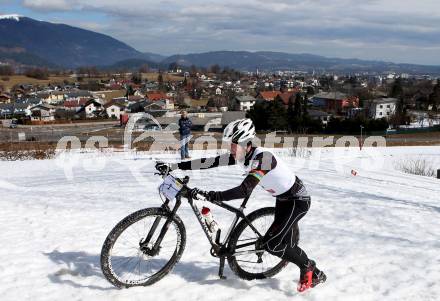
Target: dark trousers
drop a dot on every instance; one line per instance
(280, 238)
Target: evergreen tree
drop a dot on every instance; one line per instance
(305, 106)
(434, 97)
(400, 117)
(397, 89)
(277, 116)
(294, 112)
(258, 115)
(160, 81)
(297, 107)
(136, 78)
(290, 113)
(129, 91)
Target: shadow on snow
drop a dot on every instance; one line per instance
(81, 265)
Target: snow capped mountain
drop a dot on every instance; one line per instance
(61, 44)
(11, 17)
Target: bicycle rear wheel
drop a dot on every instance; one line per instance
(248, 262)
(123, 262)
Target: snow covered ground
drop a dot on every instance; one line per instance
(376, 234)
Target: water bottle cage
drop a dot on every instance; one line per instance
(211, 226)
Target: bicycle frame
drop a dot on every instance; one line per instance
(218, 249)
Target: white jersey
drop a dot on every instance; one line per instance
(261, 164)
(274, 175)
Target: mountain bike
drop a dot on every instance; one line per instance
(145, 246)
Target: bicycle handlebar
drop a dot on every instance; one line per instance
(193, 192)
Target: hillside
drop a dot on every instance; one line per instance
(265, 60)
(62, 44)
(374, 234)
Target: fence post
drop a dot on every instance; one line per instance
(438, 173)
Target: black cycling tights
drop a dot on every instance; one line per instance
(279, 239)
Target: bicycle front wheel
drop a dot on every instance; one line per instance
(248, 260)
(126, 262)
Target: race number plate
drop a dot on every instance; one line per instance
(170, 187)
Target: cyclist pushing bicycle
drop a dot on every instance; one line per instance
(268, 171)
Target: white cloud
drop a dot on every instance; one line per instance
(364, 28)
(50, 5)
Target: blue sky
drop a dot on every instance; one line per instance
(391, 30)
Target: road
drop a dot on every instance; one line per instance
(115, 134)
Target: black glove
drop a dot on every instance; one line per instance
(163, 168)
(211, 196)
(195, 193)
(214, 196)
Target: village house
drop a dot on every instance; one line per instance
(43, 112)
(6, 110)
(139, 93)
(114, 110)
(137, 107)
(5, 98)
(74, 105)
(76, 95)
(244, 103)
(90, 109)
(267, 95)
(284, 97)
(169, 104)
(381, 107)
(155, 108)
(109, 94)
(196, 104)
(150, 86)
(22, 109)
(51, 97)
(171, 94)
(335, 102)
(155, 96)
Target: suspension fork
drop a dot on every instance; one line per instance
(163, 231)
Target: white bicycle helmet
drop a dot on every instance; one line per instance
(238, 131)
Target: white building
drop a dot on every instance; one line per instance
(43, 113)
(52, 97)
(91, 108)
(115, 110)
(381, 107)
(244, 103)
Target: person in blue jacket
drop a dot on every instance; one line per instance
(185, 132)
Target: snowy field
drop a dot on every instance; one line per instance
(376, 234)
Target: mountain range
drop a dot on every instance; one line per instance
(38, 43)
(61, 45)
(267, 60)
